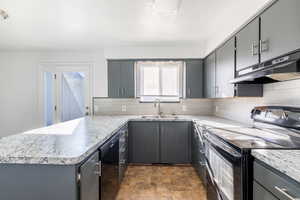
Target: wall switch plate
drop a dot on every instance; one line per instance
(124, 108)
(184, 108)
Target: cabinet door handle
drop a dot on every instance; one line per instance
(254, 49)
(284, 191)
(264, 45)
(189, 92)
(98, 165)
(119, 92)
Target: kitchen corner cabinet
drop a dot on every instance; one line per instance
(225, 69)
(210, 76)
(143, 142)
(280, 29)
(120, 79)
(175, 142)
(194, 78)
(247, 45)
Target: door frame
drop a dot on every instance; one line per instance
(59, 67)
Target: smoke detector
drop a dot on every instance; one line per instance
(3, 14)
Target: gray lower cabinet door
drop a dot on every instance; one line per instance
(175, 142)
(127, 79)
(210, 76)
(260, 193)
(89, 179)
(280, 29)
(143, 142)
(247, 45)
(194, 78)
(225, 69)
(114, 78)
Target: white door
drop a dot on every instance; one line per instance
(66, 93)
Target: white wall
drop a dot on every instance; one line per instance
(19, 85)
(195, 51)
(20, 70)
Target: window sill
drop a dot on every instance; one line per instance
(152, 99)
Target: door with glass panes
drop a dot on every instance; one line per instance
(66, 93)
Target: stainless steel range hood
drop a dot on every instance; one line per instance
(280, 69)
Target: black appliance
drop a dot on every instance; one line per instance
(110, 169)
(282, 68)
(229, 162)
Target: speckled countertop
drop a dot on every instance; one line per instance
(71, 142)
(285, 161)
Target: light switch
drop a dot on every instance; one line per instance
(124, 108)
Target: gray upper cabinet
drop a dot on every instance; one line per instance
(120, 79)
(194, 78)
(89, 180)
(210, 76)
(247, 45)
(280, 29)
(225, 69)
(175, 142)
(144, 142)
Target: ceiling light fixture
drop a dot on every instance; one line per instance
(3, 14)
(168, 7)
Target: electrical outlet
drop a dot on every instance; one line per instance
(124, 108)
(184, 108)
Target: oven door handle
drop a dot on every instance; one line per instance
(224, 149)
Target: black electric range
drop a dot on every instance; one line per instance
(228, 150)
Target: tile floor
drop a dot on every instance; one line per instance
(161, 183)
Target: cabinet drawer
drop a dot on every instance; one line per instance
(281, 186)
(260, 193)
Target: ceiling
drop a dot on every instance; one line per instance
(92, 24)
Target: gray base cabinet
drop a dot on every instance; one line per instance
(89, 178)
(36, 182)
(144, 142)
(269, 184)
(175, 139)
(152, 142)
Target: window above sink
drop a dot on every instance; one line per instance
(161, 80)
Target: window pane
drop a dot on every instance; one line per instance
(170, 80)
(151, 80)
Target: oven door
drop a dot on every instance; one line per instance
(224, 169)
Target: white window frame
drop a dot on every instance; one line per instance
(166, 98)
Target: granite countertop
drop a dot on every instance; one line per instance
(285, 161)
(71, 142)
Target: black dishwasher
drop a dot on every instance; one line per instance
(110, 168)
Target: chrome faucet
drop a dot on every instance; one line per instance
(157, 104)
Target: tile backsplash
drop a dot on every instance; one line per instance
(108, 106)
(282, 93)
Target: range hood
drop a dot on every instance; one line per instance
(279, 69)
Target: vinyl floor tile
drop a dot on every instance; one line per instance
(160, 182)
